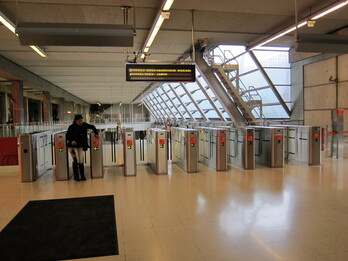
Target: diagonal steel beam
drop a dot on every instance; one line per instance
(150, 110)
(217, 88)
(222, 117)
(269, 81)
(183, 104)
(159, 95)
(155, 107)
(170, 99)
(194, 102)
(160, 106)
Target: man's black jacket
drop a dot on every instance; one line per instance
(79, 134)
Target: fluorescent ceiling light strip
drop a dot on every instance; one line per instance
(7, 24)
(39, 51)
(167, 5)
(5, 21)
(154, 31)
(316, 16)
(330, 10)
(280, 35)
(159, 21)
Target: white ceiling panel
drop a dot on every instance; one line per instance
(98, 73)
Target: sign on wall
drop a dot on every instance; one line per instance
(161, 72)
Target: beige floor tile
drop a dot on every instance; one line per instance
(298, 213)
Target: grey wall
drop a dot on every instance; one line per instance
(312, 94)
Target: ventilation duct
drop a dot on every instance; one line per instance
(46, 34)
(322, 43)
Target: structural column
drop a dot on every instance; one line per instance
(26, 109)
(40, 116)
(17, 101)
(4, 107)
(46, 107)
(61, 109)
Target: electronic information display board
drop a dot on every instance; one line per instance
(160, 72)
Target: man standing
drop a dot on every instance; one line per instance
(78, 143)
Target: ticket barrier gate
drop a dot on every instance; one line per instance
(302, 144)
(269, 146)
(34, 155)
(96, 155)
(129, 153)
(62, 158)
(63, 170)
(213, 147)
(185, 148)
(242, 147)
(157, 150)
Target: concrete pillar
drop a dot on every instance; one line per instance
(4, 107)
(40, 117)
(61, 109)
(69, 111)
(78, 109)
(26, 109)
(46, 107)
(17, 97)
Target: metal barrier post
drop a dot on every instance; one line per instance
(61, 157)
(129, 155)
(96, 154)
(25, 157)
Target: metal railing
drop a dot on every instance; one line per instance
(13, 130)
(96, 118)
(249, 94)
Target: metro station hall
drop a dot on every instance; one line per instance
(171, 130)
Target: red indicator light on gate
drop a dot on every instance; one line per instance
(316, 135)
(60, 145)
(250, 138)
(129, 142)
(162, 141)
(95, 143)
(192, 140)
(222, 139)
(279, 137)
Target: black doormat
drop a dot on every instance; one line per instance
(61, 229)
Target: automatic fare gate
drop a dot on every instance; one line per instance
(96, 155)
(34, 155)
(269, 150)
(63, 160)
(61, 157)
(213, 147)
(242, 147)
(185, 148)
(129, 156)
(302, 144)
(157, 150)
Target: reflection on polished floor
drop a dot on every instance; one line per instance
(296, 213)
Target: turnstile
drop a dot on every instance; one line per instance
(61, 155)
(157, 150)
(213, 147)
(242, 149)
(302, 144)
(129, 155)
(185, 148)
(96, 155)
(269, 142)
(34, 154)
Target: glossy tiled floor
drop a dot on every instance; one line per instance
(295, 213)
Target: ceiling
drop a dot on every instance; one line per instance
(98, 73)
